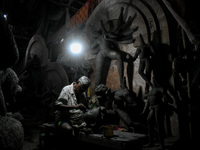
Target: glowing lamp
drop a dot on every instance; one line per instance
(76, 48)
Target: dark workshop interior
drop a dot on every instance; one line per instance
(99, 74)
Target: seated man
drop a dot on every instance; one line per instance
(69, 113)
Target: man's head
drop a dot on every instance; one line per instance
(82, 84)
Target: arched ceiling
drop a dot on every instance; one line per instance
(25, 15)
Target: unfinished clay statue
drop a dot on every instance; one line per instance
(156, 115)
(105, 46)
(145, 53)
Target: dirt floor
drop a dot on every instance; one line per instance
(33, 141)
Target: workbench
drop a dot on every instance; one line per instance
(121, 140)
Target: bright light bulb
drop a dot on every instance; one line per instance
(75, 48)
(5, 16)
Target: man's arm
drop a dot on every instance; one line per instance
(62, 106)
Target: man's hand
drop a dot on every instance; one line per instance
(82, 107)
